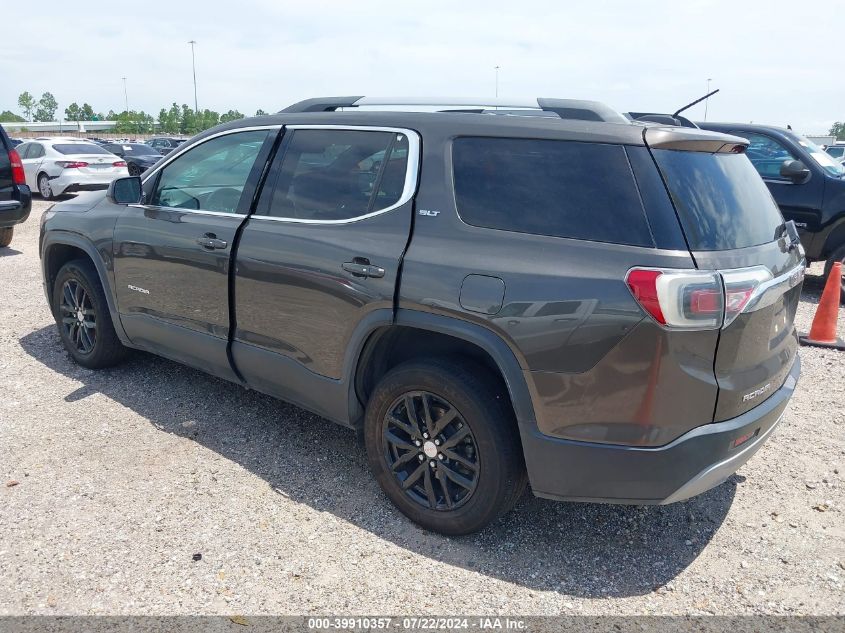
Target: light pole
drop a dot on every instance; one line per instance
(125, 97)
(707, 100)
(194, 66)
(497, 82)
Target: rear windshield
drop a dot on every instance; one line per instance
(721, 200)
(139, 149)
(79, 148)
(559, 188)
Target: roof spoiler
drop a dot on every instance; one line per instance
(693, 140)
(577, 109)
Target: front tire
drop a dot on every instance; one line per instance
(83, 318)
(838, 256)
(443, 444)
(6, 236)
(44, 187)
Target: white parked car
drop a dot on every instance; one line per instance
(54, 166)
(837, 150)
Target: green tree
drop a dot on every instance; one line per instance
(47, 107)
(838, 130)
(231, 115)
(170, 120)
(133, 122)
(206, 119)
(163, 120)
(188, 121)
(73, 112)
(27, 103)
(87, 112)
(260, 112)
(10, 117)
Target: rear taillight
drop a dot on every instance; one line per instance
(18, 176)
(71, 164)
(740, 285)
(695, 299)
(119, 163)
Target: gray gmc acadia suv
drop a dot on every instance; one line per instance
(600, 308)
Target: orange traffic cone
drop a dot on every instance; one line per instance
(823, 331)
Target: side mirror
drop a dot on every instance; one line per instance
(794, 170)
(125, 190)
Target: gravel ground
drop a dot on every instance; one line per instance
(156, 489)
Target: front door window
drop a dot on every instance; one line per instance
(210, 176)
(766, 154)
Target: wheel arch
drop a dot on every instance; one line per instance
(835, 239)
(57, 250)
(414, 334)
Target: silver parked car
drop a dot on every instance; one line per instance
(54, 166)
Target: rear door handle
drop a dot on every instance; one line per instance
(363, 269)
(210, 241)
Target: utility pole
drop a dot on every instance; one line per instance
(125, 97)
(194, 66)
(497, 82)
(707, 100)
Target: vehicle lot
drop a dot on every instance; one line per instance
(123, 476)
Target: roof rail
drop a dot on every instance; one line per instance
(564, 108)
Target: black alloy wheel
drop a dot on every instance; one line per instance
(79, 319)
(80, 308)
(431, 451)
(443, 443)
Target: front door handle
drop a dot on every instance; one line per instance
(361, 267)
(210, 241)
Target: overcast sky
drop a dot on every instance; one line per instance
(770, 59)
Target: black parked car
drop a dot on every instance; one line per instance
(165, 144)
(807, 183)
(139, 157)
(15, 196)
(492, 299)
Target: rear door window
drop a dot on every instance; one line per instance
(721, 200)
(559, 188)
(330, 175)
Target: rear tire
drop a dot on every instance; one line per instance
(82, 316)
(6, 236)
(838, 256)
(134, 170)
(44, 187)
(455, 464)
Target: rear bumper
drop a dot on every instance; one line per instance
(14, 212)
(69, 182)
(691, 464)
